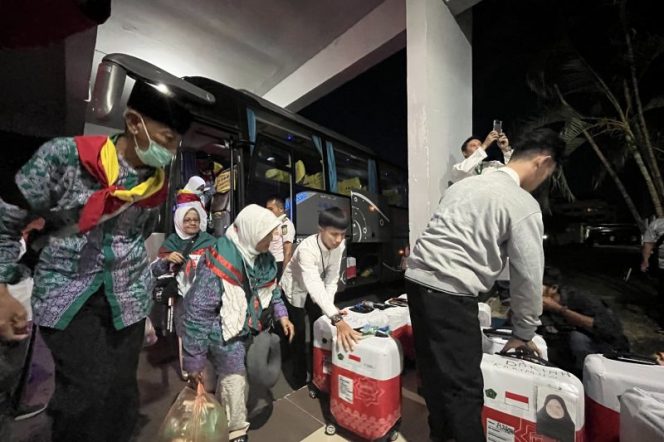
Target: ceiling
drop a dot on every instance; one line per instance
(246, 44)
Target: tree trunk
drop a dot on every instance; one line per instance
(616, 179)
(638, 159)
(650, 151)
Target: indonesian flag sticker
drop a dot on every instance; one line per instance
(517, 400)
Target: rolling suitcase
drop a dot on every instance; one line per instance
(606, 378)
(641, 416)
(484, 314)
(400, 325)
(324, 332)
(365, 389)
(494, 339)
(527, 400)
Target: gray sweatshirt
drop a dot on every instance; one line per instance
(480, 222)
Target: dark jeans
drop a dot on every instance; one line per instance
(300, 353)
(96, 392)
(448, 344)
(583, 345)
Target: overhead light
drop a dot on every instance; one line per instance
(270, 159)
(161, 87)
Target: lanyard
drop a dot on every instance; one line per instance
(321, 256)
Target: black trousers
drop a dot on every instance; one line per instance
(96, 391)
(448, 344)
(300, 353)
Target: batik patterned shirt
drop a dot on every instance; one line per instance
(72, 268)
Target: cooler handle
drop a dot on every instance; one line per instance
(525, 354)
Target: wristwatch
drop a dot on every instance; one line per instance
(335, 319)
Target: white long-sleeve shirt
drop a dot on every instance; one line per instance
(475, 165)
(313, 270)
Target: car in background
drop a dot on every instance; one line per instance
(612, 235)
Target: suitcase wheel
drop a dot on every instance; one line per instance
(313, 394)
(330, 429)
(393, 435)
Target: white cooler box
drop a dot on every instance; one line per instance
(641, 416)
(494, 339)
(324, 332)
(526, 402)
(605, 380)
(365, 388)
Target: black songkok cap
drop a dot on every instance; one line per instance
(162, 106)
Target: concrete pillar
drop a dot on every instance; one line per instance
(439, 70)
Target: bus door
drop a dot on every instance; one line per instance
(209, 152)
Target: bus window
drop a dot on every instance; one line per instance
(352, 172)
(309, 167)
(271, 174)
(308, 159)
(393, 185)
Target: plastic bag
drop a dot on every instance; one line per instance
(150, 335)
(196, 416)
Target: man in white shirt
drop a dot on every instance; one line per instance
(281, 246)
(479, 222)
(474, 152)
(310, 283)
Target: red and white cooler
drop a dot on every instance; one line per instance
(494, 339)
(324, 332)
(641, 416)
(401, 327)
(528, 402)
(605, 380)
(365, 389)
(484, 314)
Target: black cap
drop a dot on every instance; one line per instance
(163, 107)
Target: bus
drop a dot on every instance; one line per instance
(248, 150)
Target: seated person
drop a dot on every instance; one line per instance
(594, 327)
(474, 152)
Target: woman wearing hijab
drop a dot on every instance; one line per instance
(190, 224)
(234, 290)
(554, 421)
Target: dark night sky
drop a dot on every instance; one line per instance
(510, 37)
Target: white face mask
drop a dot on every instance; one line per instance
(155, 155)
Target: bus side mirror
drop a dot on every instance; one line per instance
(109, 86)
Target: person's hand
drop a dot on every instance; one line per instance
(493, 136)
(288, 328)
(346, 335)
(195, 378)
(550, 305)
(175, 258)
(644, 266)
(13, 317)
(503, 142)
(660, 357)
(514, 343)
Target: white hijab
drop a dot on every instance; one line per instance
(251, 225)
(181, 211)
(194, 184)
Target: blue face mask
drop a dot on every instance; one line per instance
(155, 155)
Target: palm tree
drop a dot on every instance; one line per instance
(605, 111)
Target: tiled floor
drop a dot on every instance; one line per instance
(295, 416)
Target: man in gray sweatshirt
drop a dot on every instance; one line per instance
(480, 222)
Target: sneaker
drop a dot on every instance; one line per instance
(28, 412)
